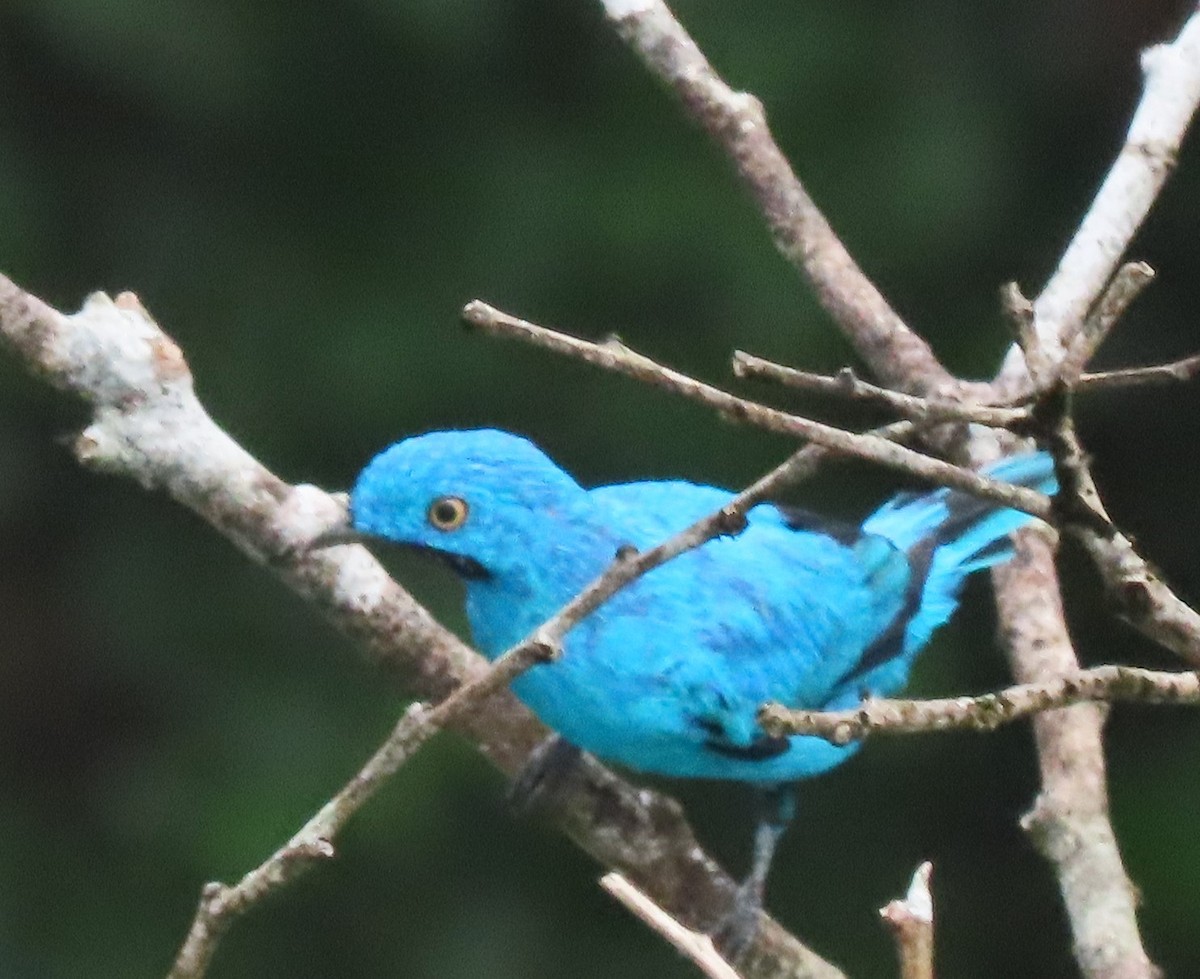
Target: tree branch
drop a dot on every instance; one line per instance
(1069, 821)
(737, 124)
(616, 357)
(221, 905)
(847, 384)
(1127, 284)
(148, 425)
(1172, 373)
(697, 948)
(987, 711)
(1147, 158)
(911, 922)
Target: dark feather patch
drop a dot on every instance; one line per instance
(962, 510)
(797, 518)
(465, 567)
(999, 548)
(760, 749)
(890, 643)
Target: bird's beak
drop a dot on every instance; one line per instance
(336, 536)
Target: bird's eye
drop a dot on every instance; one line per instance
(448, 512)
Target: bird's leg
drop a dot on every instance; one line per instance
(543, 773)
(776, 807)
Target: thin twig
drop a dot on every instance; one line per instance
(221, 905)
(1134, 590)
(1146, 602)
(737, 124)
(692, 945)
(1011, 415)
(911, 924)
(987, 711)
(730, 519)
(1020, 315)
(863, 446)
(1128, 283)
(1172, 373)
(847, 384)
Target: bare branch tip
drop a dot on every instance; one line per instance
(1013, 300)
(623, 9)
(732, 520)
(477, 313)
(920, 897)
(1139, 269)
(544, 647)
(131, 302)
(214, 890)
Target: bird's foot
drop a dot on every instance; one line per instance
(735, 932)
(543, 774)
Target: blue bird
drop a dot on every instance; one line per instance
(667, 677)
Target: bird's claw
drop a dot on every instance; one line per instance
(543, 774)
(735, 932)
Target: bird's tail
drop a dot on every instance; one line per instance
(959, 533)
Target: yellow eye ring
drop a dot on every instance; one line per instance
(447, 512)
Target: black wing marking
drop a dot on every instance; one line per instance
(962, 510)
(760, 749)
(797, 518)
(890, 643)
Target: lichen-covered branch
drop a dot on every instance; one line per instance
(148, 425)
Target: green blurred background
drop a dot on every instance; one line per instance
(305, 193)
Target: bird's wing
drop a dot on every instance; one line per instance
(789, 610)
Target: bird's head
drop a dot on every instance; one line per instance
(484, 501)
